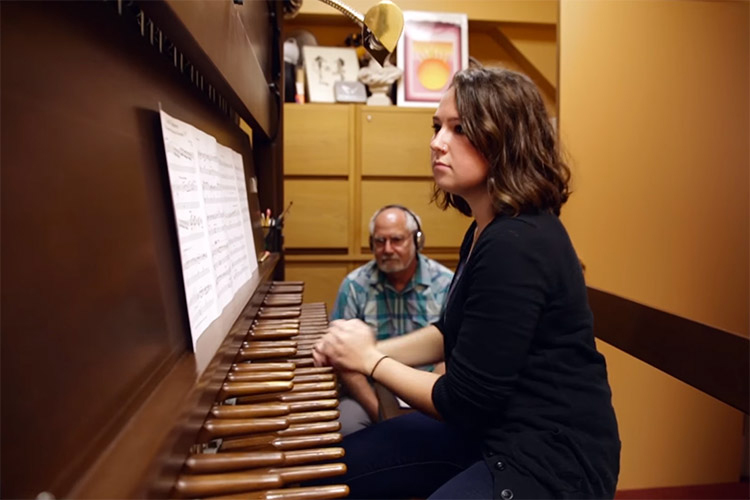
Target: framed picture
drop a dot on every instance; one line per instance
(433, 47)
(324, 66)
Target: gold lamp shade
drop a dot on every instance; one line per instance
(381, 26)
(386, 22)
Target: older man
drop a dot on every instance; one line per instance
(397, 292)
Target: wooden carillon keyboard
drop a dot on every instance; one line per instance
(275, 417)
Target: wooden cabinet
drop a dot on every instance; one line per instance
(395, 141)
(341, 163)
(319, 217)
(443, 230)
(318, 140)
(322, 279)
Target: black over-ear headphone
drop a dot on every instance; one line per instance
(418, 234)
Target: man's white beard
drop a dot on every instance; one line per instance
(393, 265)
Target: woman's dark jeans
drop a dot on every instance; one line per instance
(411, 457)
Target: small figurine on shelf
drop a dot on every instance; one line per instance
(379, 80)
(291, 63)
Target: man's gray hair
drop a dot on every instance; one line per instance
(413, 221)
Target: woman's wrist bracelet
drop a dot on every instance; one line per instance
(372, 372)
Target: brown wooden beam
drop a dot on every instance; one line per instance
(711, 360)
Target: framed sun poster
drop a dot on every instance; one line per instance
(433, 47)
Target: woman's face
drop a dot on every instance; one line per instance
(458, 168)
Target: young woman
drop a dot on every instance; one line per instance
(524, 408)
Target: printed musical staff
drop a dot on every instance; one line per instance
(209, 195)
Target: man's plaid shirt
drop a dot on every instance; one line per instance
(366, 294)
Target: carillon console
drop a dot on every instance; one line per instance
(274, 422)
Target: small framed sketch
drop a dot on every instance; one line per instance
(324, 66)
(433, 47)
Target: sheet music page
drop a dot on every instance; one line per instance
(243, 250)
(216, 204)
(210, 218)
(185, 181)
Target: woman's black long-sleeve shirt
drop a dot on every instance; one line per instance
(523, 373)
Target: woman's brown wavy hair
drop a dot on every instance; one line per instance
(504, 118)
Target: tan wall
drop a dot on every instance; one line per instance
(538, 44)
(655, 113)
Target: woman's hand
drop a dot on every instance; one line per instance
(348, 345)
